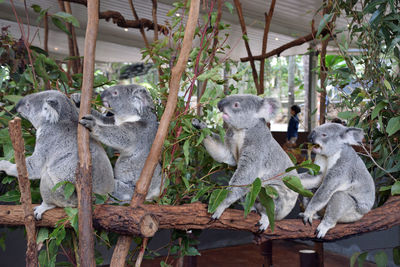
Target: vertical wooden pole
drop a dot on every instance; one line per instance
(24, 186)
(266, 251)
(142, 186)
(319, 248)
(84, 170)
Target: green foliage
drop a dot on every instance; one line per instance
(252, 195)
(217, 196)
(294, 183)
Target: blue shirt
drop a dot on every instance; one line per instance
(293, 127)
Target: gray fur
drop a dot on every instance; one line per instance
(345, 187)
(131, 132)
(250, 146)
(55, 157)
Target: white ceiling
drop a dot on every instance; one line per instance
(291, 19)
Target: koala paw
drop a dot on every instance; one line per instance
(322, 229)
(76, 98)
(88, 121)
(39, 210)
(263, 223)
(307, 218)
(198, 124)
(217, 214)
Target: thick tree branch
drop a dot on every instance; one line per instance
(31, 259)
(127, 220)
(84, 168)
(122, 22)
(279, 50)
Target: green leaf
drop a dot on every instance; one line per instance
(217, 196)
(42, 235)
(245, 37)
(362, 258)
(353, 258)
(11, 196)
(13, 98)
(186, 151)
(73, 218)
(387, 84)
(229, 6)
(377, 109)
(58, 185)
(59, 24)
(294, 183)
(36, 8)
(395, 188)
(185, 179)
(393, 125)
(192, 251)
(396, 255)
(251, 196)
(271, 192)
(269, 205)
(69, 190)
(381, 259)
(200, 193)
(325, 20)
(68, 18)
(347, 115)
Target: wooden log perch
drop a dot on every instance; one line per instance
(127, 220)
(279, 50)
(118, 19)
(25, 189)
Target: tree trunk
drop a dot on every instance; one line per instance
(291, 70)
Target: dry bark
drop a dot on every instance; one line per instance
(84, 168)
(31, 258)
(126, 220)
(279, 50)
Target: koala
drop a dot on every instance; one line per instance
(131, 131)
(55, 157)
(344, 185)
(250, 146)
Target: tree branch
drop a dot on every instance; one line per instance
(122, 22)
(126, 220)
(31, 258)
(84, 169)
(279, 50)
(246, 43)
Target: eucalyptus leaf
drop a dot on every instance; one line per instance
(395, 190)
(69, 190)
(322, 24)
(294, 183)
(381, 259)
(251, 196)
(217, 196)
(67, 18)
(393, 125)
(269, 206)
(42, 235)
(396, 255)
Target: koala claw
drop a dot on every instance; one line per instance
(306, 218)
(322, 229)
(76, 98)
(217, 214)
(39, 210)
(198, 124)
(88, 121)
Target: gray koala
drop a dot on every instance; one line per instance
(345, 187)
(131, 131)
(55, 157)
(250, 145)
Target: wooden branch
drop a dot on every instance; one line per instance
(31, 258)
(142, 185)
(77, 64)
(71, 63)
(126, 220)
(279, 50)
(246, 43)
(84, 168)
(154, 14)
(268, 18)
(122, 22)
(46, 32)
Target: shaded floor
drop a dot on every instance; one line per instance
(285, 254)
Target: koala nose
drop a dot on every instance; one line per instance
(311, 136)
(18, 105)
(221, 104)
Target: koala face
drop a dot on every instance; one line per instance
(245, 111)
(46, 107)
(127, 100)
(330, 137)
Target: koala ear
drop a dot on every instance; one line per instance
(50, 110)
(353, 136)
(269, 109)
